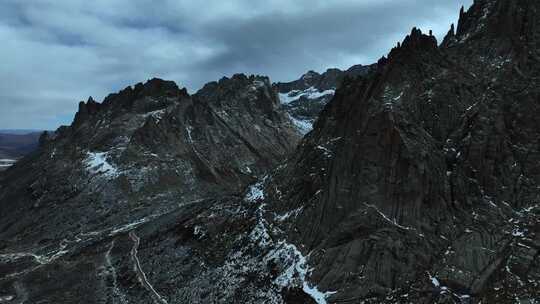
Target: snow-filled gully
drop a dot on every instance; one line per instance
(295, 264)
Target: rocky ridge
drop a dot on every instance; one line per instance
(139, 156)
(418, 184)
(304, 99)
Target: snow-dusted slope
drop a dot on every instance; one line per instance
(420, 183)
(6, 163)
(304, 98)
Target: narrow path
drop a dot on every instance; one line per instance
(82, 239)
(140, 273)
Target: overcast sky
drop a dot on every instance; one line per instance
(55, 53)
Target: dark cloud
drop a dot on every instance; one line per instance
(56, 53)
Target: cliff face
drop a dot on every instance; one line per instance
(420, 183)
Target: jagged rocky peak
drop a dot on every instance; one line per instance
(474, 18)
(159, 87)
(415, 42)
(139, 96)
(236, 84)
(450, 36)
(309, 76)
(303, 99)
(86, 109)
(155, 94)
(329, 80)
(470, 22)
(509, 22)
(419, 40)
(253, 93)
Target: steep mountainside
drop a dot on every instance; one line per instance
(305, 98)
(420, 183)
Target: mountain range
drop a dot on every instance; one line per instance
(413, 180)
(15, 144)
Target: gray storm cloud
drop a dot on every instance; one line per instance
(57, 52)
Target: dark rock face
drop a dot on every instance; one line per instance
(420, 183)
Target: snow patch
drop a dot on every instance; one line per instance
(5, 163)
(529, 209)
(327, 152)
(258, 84)
(260, 234)
(304, 126)
(518, 232)
(391, 221)
(188, 130)
(6, 298)
(293, 213)
(128, 226)
(434, 281)
(296, 270)
(157, 115)
(398, 97)
(309, 93)
(97, 163)
(255, 193)
(199, 231)
(445, 289)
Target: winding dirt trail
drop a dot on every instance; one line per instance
(140, 273)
